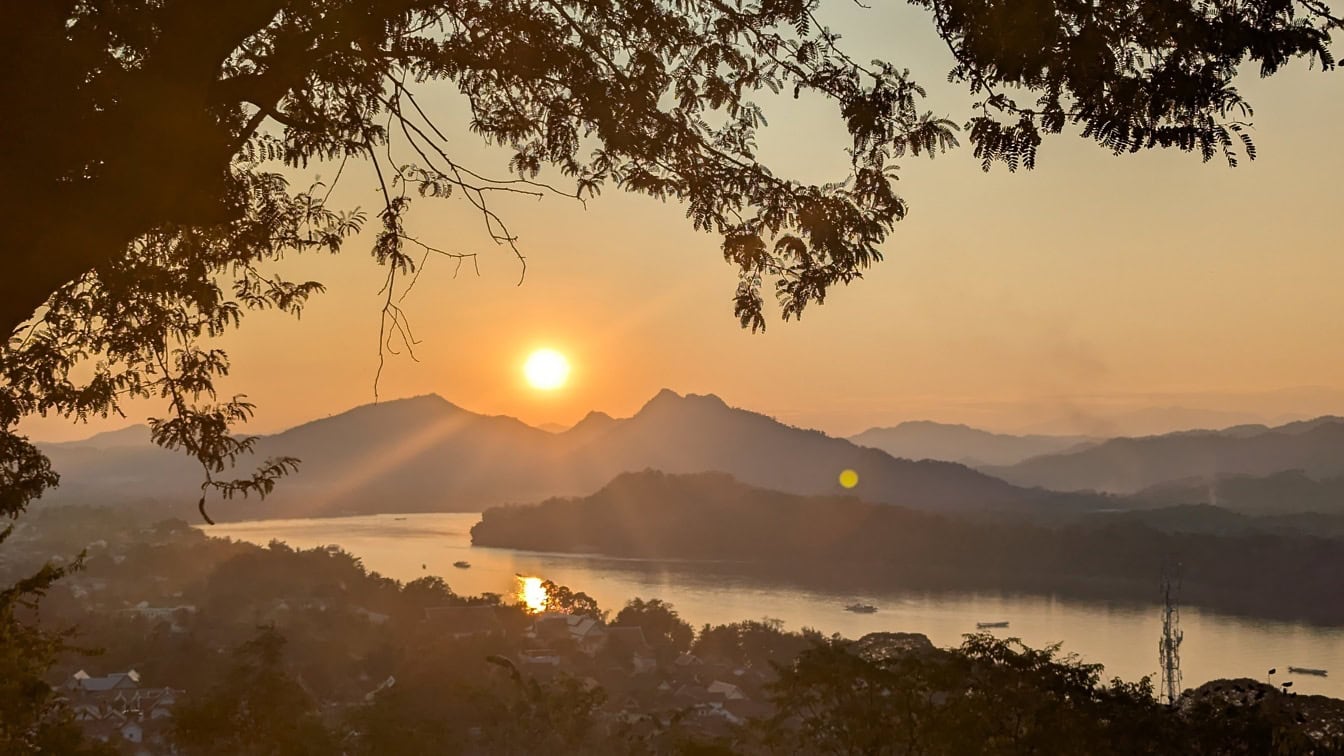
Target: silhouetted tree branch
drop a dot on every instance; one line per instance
(139, 154)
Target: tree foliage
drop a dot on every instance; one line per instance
(472, 710)
(999, 696)
(560, 598)
(33, 717)
(145, 168)
(1130, 75)
(663, 628)
(257, 710)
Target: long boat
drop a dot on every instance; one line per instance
(988, 625)
(1307, 671)
(861, 608)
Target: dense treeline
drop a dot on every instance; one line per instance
(1285, 493)
(711, 516)
(221, 591)
(994, 696)
(878, 696)
(32, 716)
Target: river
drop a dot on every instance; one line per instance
(1122, 636)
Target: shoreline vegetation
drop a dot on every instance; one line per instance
(839, 540)
(825, 579)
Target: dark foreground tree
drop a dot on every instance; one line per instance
(257, 710)
(663, 628)
(998, 696)
(560, 598)
(143, 138)
(34, 718)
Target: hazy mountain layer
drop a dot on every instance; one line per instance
(1129, 465)
(1286, 492)
(426, 454)
(923, 439)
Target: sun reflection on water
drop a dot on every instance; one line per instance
(532, 593)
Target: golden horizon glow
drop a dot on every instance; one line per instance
(532, 594)
(1088, 296)
(546, 370)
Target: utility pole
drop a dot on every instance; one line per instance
(1169, 647)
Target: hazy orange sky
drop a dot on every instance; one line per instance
(1058, 299)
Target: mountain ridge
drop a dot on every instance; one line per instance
(955, 442)
(427, 454)
(1131, 465)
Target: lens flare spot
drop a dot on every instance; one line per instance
(849, 478)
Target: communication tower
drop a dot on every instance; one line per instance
(1169, 647)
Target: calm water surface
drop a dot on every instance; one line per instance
(1122, 636)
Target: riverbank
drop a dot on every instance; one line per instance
(842, 542)
(1122, 635)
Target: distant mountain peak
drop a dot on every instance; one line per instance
(429, 403)
(420, 402)
(672, 401)
(390, 415)
(131, 435)
(932, 424)
(664, 399)
(664, 395)
(424, 399)
(594, 420)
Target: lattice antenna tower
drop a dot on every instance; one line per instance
(1169, 647)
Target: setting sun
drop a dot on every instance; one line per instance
(546, 369)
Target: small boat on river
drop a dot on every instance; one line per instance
(1307, 671)
(861, 608)
(990, 625)
(462, 565)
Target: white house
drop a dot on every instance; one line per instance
(81, 682)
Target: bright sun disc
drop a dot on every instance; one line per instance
(546, 369)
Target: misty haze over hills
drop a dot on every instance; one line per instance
(426, 454)
(1250, 469)
(924, 439)
(1151, 421)
(1153, 414)
(1281, 493)
(1130, 465)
